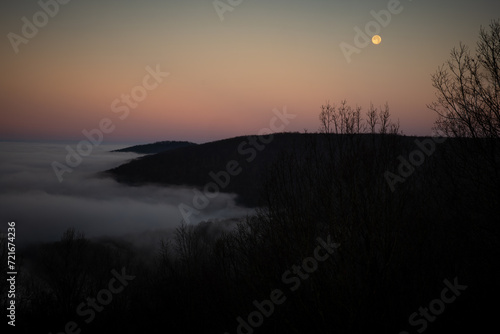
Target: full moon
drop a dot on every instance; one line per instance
(376, 39)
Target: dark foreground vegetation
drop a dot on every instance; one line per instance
(396, 249)
(416, 226)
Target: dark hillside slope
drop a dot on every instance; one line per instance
(192, 165)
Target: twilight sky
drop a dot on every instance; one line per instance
(225, 76)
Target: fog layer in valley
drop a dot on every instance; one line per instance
(43, 208)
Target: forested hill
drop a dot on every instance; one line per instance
(246, 159)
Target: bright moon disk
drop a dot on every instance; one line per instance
(376, 39)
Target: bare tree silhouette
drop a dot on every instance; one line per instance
(468, 109)
(372, 118)
(345, 119)
(468, 89)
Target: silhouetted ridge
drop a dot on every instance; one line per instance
(192, 165)
(157, 147)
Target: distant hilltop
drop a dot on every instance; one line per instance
(160, 146)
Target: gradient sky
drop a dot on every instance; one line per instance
(225, 76)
